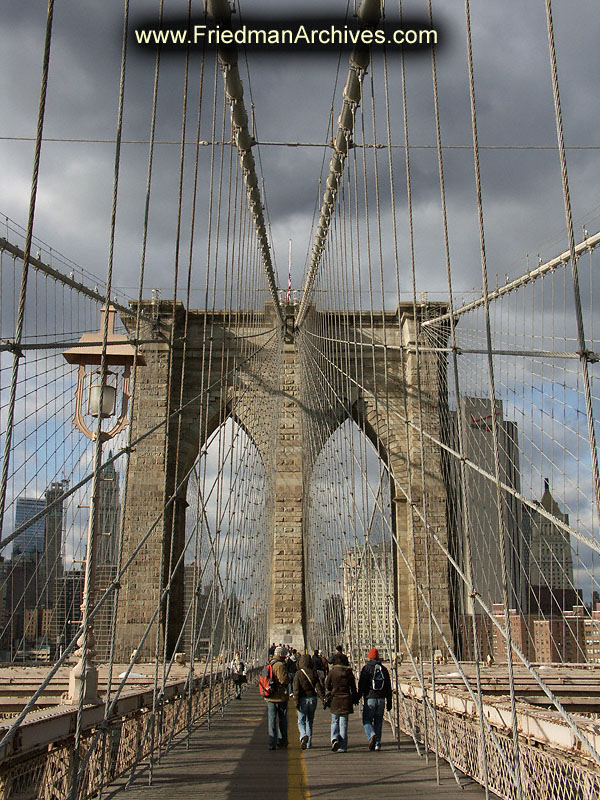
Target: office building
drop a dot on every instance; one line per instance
(109, 517)
(52, 562)
(561, 639)
(69, 597)
(476, 502)
(551, 560)
(31, 540)
(208, 627)
(591, 627)
(368, 598)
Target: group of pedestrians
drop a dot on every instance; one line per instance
(334, 683)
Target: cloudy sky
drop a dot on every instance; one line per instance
(292, 95)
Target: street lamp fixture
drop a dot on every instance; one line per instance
(88, 353)
(102, 390)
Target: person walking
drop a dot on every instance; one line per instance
(292, 666)
(318, 665)
(277, 701)
(325, 662)
(340, 696)
(338, 649)
(375, 687)
(307, 687)
(238, 674)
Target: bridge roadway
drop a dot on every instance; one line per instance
(231, 760)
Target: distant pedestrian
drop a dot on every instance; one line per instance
(375, 686)
(325, 662)
(272, 650)
(292, 666)
(277, 701)
(238, 675)
(340, 696)
(338, 649)
(318, 665)
(307, 687)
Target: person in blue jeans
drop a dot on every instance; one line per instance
(341, 696)
(277, 723)
(307, 687)
(277, 701)
(375, 687)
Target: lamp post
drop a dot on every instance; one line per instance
(102, 388)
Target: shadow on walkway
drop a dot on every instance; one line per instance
(231, 761)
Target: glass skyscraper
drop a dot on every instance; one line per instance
(31, 540)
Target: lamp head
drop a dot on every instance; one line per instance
(90, 351)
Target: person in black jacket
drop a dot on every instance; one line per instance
(338, 649)
(319, 665)
(375, 687)
(341, 695)
(292, 666)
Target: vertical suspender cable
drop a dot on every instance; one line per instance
(369, 14)
(462, 474)
(499, 500)
(419, 401)
(220, 12)
(94, 502)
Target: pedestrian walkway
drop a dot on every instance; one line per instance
(230, 760)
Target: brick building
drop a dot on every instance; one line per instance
(561, 639)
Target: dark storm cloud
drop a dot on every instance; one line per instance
(293, 97)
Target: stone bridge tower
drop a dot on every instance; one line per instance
(397, 398)
(385, 407)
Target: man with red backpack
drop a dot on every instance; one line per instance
(276, 694)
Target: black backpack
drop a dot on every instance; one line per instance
(377, 679)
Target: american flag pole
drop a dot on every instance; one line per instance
(288, 294)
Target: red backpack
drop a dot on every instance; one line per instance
(266, 681)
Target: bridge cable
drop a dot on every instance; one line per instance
(581, 340)
(464, 505)
(24, 275)
(369, 14)
(502, 532)
(220, 12)
(551, 696)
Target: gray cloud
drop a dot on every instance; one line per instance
(292, 102)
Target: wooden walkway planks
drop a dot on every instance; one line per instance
(230, 761)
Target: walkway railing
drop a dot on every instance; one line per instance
(41, 761)
(552, 763)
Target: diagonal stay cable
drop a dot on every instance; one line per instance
(26, 257)
(524, 660)
(34, 518)
(16, 723)
(578, 534)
